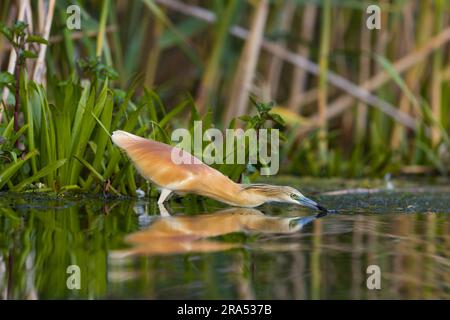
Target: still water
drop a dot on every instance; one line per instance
(125, 249)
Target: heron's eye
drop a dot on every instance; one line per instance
(294, 196)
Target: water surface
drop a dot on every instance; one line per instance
(205, 250)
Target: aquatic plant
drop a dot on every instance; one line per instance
(371, 105)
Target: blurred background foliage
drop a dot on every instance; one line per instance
(356, 102)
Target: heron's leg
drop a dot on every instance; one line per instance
(163, 211)
(165, 193)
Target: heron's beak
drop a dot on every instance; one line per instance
(304, 201)
(298, 223)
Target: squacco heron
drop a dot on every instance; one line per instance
(153, 161)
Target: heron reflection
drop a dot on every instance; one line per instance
(172, 234)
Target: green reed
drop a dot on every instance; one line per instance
(177, 52)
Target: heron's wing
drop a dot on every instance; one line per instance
(198, 226)
(166, 166)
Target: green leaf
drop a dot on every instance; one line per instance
(37, 39)
(261, 106)
(9, 130)
(277, 119)
(19, 133)
(172, 113)
(19, 27)
(94, 172)
(6, 78)
(29, 54)
(41, 173)
(7, 32)
(282, 136)
(12, 168)
(101, 124)
(96, 68)
(103, 137)
(245, 118)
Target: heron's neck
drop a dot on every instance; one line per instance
(249, 195)
(242, 195)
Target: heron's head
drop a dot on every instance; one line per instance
(284, 194)
(291, 195)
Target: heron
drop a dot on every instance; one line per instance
(154, 161)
